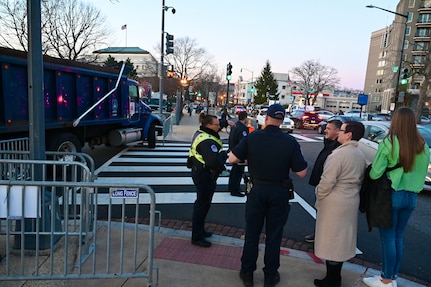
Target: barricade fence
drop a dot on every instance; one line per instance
(167, 125)
(52, 229)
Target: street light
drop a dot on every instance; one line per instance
(162, 52)
(402, 48)
(251, 88)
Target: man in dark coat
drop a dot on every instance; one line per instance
(235, 136)
(329, 144)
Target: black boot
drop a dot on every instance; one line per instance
(333, 275)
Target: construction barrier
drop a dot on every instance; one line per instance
(64, 226)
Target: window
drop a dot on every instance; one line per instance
(411, 3)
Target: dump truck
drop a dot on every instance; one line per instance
(83, 103)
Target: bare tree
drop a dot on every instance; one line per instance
(189, 61)
(313, 78)
(70, 29)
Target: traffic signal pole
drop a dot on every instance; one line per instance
(228, 78)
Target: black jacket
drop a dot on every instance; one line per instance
(316, 173)
(237, 133)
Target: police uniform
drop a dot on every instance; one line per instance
(206, 159)
(271, 154)
(237, 170)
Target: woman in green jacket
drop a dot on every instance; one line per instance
(403, 145)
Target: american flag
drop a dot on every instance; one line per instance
(124, 27)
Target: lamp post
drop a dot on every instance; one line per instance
(162, 53)
(251, 85)
(402, 48)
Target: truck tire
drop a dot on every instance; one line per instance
(152, 136)
(64, 142)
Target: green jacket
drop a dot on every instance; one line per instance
(410, 181)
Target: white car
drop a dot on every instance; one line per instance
(375, 132)
(287, 125)
(260, 118)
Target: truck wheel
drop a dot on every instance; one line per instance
(152, 136)
(65, 142)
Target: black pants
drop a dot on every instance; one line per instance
(235, 177)
(205, 187)
(267, 204)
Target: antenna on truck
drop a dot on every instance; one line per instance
(78, 120)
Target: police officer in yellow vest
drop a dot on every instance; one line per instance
(207, 161)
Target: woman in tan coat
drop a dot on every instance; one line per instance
(337, 204)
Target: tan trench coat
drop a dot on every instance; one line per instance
(337, 203)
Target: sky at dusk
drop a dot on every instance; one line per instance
(248, 33)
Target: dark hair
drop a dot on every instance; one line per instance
(403, 126)
(206, 119)
(356, 128)
(336, 123)
(242, 115)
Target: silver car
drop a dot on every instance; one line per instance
(375, 132)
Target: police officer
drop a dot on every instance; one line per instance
(235, 136)
(270, 155)
(206, 159)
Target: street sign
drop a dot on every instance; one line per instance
(123, 193)
(395, 69)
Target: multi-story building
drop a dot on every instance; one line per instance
(144, 63)
(389, 56)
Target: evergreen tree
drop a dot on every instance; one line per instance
(111, 62)
(266, 86)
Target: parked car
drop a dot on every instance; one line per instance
(424, 119)
(322, 125)
(260, 118)
(357, 113)
(324, 115)
(375, 132)
(287, 125)
(237, 109)
(305, 119)
(381, 117)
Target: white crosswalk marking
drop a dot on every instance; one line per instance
(163, 168)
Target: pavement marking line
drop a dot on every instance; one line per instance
(304, 138)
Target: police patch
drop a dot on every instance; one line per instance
(214, 148)
(244, 133)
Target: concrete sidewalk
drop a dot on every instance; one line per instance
(182, 264)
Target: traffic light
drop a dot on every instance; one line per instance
(404, 76)
(170, 71)
(169, 44)
(229, 72)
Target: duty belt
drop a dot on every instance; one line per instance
(265, 181)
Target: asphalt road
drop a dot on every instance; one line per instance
(301, 221)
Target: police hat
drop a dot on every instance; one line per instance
(276, 111)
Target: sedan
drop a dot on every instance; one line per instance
(375, 132)
(324, 115)
(287, 125)
(322, 125)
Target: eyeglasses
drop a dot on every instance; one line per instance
(344, 131)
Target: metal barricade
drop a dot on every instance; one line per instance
(167, 126)
(87, 243)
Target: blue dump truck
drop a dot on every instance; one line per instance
(83, 104)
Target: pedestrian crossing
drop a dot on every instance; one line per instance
(164, 170)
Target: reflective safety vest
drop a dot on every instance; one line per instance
(200, 138)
